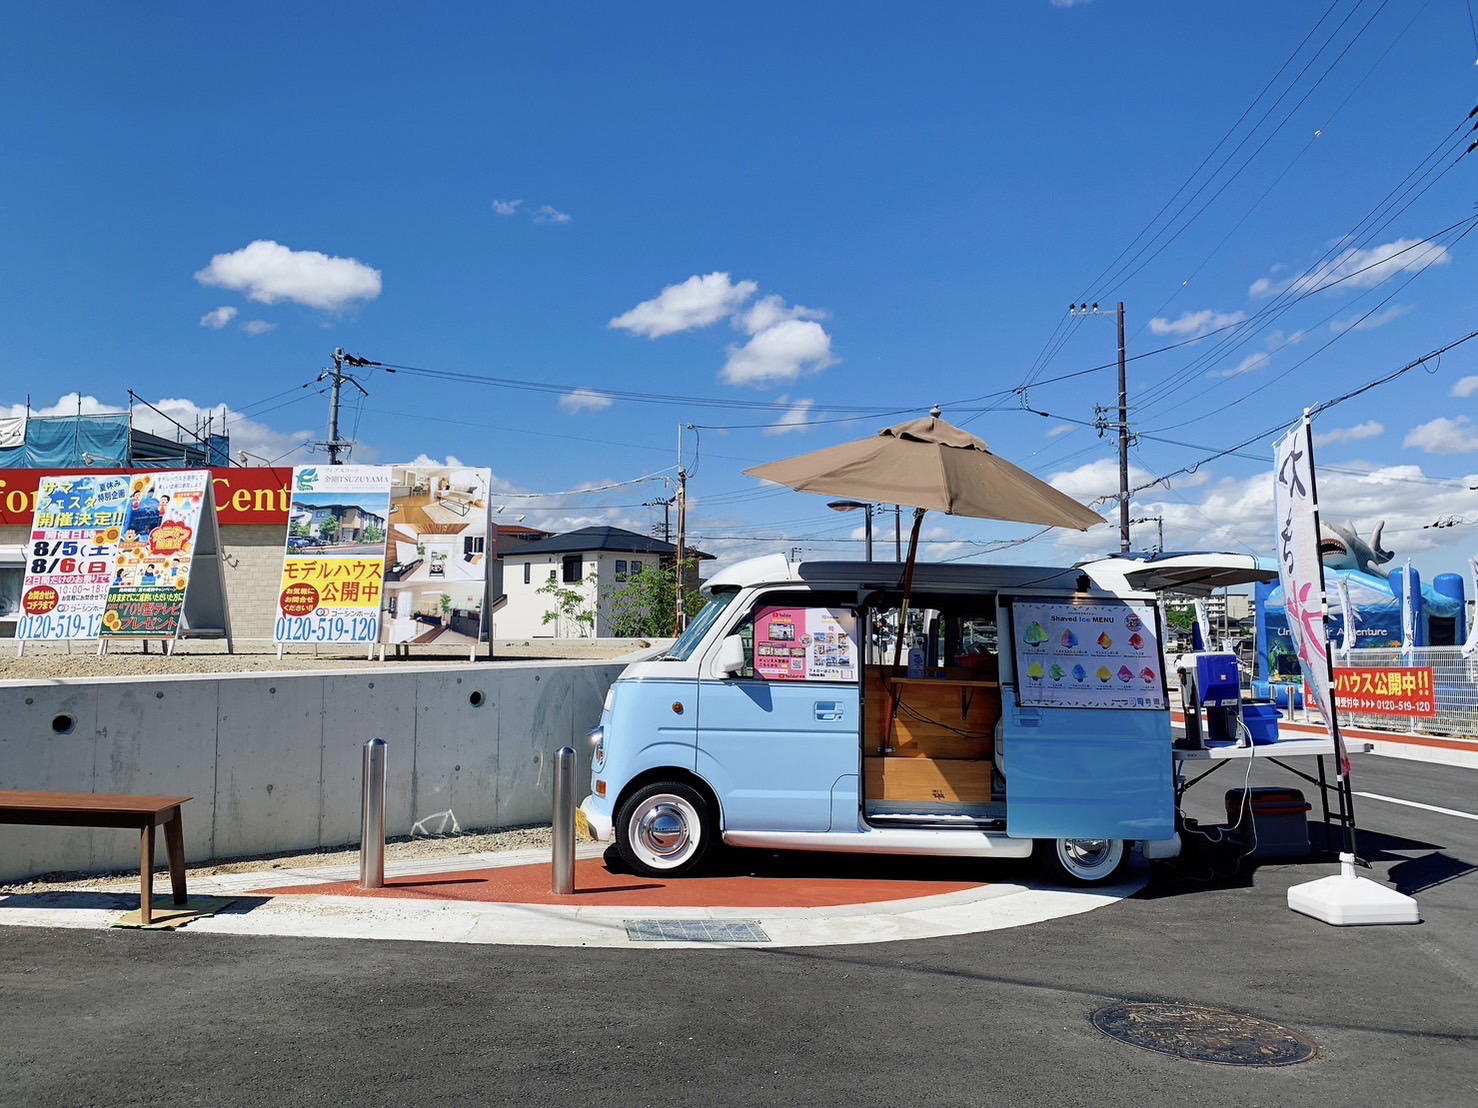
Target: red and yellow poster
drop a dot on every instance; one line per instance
(146, 598)
(1386, 690)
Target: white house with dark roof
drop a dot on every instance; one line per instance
(594, 561)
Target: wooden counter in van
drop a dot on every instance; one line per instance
(942, 738)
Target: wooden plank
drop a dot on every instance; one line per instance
(85, 803)
(921, 779)
(935, 719)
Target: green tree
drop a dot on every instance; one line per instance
(328, 530)
(372, 534)
(644, 608)
(297, 529)
(574, 606)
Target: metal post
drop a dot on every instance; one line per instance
(869, 509)
(1123, 443)
(563, 881)
(372, 818)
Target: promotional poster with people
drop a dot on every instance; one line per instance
(146, 597)
(70, 554)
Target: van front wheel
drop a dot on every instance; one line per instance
(663, 829)
(1081, 861)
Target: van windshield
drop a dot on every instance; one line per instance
(700, 625)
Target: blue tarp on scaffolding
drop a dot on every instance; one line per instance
(61, 443)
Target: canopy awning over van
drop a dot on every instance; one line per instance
(1194, 574)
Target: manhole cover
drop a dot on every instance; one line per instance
(1204, 1034)
(695, 931)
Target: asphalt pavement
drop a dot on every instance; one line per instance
(999, 1018)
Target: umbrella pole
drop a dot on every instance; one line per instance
(913, 554)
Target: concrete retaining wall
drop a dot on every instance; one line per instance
(273, 762)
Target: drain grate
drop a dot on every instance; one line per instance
(695, 931)
(1204, 1034)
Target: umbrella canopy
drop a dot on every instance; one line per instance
(930, 464)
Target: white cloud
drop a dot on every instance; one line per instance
(1193, 324)
(506, 207)
(69, 404)
(1369, 323)
(1246, 365)
(1069, 3)
(1370, 429)
(795, 418)
(546, 214)
(697, 302)
(269, 272)
(218, 318)
(770, 310)
(1360, 269)
(585, 400)
(1444, 436)
(779, 353)
(1465, 388)
(255, 327)
(1060, 430)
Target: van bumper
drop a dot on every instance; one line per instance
(589, 822)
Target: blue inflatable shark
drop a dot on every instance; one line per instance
(1343, 548)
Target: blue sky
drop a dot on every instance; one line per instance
(582, 227)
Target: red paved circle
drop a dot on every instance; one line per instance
(774, 883)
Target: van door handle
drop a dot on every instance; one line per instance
(1029, 717)
(828, 711)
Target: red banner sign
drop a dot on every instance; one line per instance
(257, 495)
(1390, 691)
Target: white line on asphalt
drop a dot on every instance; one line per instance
(1414, 804)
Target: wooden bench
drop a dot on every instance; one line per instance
(102, 810)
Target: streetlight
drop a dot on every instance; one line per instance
(852, 506)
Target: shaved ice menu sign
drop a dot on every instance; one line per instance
(805, 644)
(1087, 655)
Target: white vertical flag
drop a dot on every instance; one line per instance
(1408, 614)
(1301, 572)
(1347, 617)
(1470, 646)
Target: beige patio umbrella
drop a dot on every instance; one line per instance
(929, 465)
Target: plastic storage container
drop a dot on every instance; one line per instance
(1275, 821)
(1261, 721)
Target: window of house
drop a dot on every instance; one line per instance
(574, 568)
(528, 572)
(11, 578)
(474, 544)
(635, 567)
(620, 569)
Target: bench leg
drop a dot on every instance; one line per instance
(174, 845)
(146, 875)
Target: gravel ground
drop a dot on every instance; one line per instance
(46, 662)
(396, 850)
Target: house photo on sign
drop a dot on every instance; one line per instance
(146, 598)
(70, 554)
(437, 556)
(1088, 655)
(333, 569)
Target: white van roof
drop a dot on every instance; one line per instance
(776, 569)
(1197, 573)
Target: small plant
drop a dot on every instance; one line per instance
(574, 607)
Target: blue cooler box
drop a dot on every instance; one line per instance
(1261, 721)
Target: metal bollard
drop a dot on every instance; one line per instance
(563, 880)
(372, 818)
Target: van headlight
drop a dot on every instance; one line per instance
(598, 748)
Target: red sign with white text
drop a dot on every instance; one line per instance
(1387, 690)
(256, 495)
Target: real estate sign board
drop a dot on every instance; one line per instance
(70, 552)
(333, 570)
(437, 556)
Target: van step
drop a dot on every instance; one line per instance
(980, 821)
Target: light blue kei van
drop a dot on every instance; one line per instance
(1028, 716)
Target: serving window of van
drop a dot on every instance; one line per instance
(956, 634)
(801, 636)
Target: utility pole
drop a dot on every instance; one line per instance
(680, 617)
(1159, 522)
(335, 445)
(665, 503)
(1122, 424)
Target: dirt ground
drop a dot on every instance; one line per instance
(46, 662)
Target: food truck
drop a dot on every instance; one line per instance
(1025, 714)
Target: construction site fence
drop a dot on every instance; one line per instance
(1455, 679)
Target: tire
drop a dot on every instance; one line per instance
(664, 829)
(1081, 861)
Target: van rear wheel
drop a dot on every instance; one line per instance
(663, 829)
(1081, 861)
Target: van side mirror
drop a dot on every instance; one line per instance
(731, 655)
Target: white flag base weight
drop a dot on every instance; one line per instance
(1348, 901)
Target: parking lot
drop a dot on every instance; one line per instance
(130, 1017)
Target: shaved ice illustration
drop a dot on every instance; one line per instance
(1104, 674)
(1036, 635)
(1126, 674)
(1079, 673)
(1136, 640)
(1148, 675)
(1132, 622)
(1069, 639)
(1034, 671)
(1057, 672)
(1104, 640)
